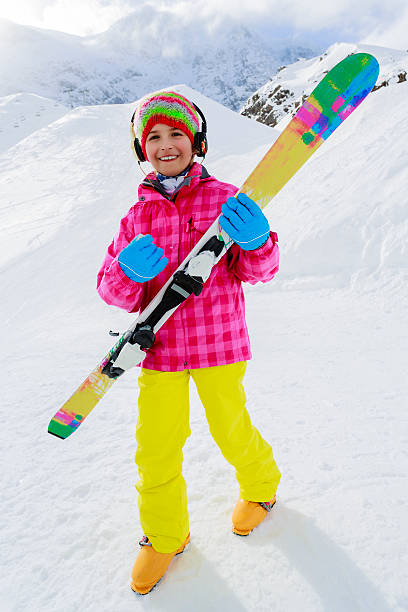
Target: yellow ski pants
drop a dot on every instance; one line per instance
(162, 430)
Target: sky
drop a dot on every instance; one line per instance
(322, 23)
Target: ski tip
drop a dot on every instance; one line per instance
(370, 61)
(366, 57)
(366, 63)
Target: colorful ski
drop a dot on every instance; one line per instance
(333, 100)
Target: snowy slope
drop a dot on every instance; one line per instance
(89, 150)
(226, 61)
(327, 385)
(23, 114)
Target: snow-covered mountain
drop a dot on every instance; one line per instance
(327, 385)
(140, 53)
(281, 96)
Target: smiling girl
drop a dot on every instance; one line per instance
(206, 339)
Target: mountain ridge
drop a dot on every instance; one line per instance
(122, 64)
(281, 96)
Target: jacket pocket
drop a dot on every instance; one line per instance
(197, 228)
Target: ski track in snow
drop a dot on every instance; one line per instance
(327, 386)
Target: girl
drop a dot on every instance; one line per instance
(206, 338)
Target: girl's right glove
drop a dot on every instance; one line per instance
(142, 260)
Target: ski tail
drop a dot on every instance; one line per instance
(73, 413)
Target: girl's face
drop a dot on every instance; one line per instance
(168, 149)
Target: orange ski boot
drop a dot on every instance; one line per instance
(150, 565)
(247, 515)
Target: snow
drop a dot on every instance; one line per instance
(327, 384)
(22, 114)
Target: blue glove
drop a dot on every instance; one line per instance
(244, 222)
(142, 260)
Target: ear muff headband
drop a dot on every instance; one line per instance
(200, 138)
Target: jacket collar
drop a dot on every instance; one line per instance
(196, 174)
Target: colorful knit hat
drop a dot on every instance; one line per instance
(166, 107)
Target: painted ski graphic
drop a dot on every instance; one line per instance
(338, 94)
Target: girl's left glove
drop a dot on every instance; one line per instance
(244, 222)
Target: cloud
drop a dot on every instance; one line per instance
(394, 35)
(81, 17)
(348, 15)
(84, 16)
(348, 20)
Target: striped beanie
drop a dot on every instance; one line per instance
(166, 107)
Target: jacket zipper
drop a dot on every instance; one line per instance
(188, 232)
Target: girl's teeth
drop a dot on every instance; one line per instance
(170, 157)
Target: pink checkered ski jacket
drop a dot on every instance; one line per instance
(207, 330)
